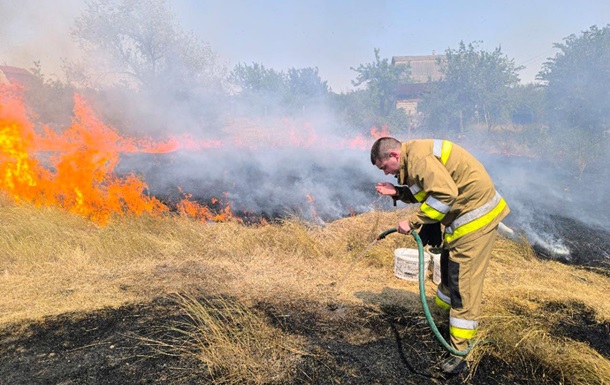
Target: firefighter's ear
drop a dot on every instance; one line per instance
(395, 154)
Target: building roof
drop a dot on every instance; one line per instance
(412, 90)
(423, 68)
(16, 75)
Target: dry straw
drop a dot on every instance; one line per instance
(53, 262)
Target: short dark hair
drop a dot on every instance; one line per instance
(382, 147)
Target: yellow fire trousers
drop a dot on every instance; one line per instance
(462, 273)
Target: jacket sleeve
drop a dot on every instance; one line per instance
(441, 191)
(404, 195)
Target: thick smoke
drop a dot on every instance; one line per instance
(557, 209)
(320, 181)
(33, 30)
(316, 184)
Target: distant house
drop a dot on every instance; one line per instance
(424, 69)
(12, 75)
(409, 95)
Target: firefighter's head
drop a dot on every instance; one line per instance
(385, 154)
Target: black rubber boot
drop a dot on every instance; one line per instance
(454, 365)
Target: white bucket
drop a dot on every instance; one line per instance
(436, 267)
(406, 263)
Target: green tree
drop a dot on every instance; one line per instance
(528, 104)
(355, 109)
(474, 89)
(259, 89)
(529, 123)
(578, 95)
(380, 79)
(139, 42)
(278, 91)
(141, 70)
(256, 80)
(304, 87)
(41, 90)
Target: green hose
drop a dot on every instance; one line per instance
(422, 294)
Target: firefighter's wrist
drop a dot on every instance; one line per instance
(398, 192)
(415, 225)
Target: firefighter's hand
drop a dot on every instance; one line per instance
(404, 227)
(386, 188)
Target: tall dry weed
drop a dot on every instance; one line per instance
(52, 262)
(234, 343)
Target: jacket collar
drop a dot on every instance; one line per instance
(402, 177)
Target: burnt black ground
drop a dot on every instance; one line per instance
(589, 245)
(394, 346)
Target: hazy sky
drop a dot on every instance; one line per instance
(332, 35)
(336, 35)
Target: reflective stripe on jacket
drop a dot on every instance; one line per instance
(452, 186)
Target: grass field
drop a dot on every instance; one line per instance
(537, 313)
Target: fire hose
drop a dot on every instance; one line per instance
(422, 294)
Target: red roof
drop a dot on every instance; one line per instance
(17, 75)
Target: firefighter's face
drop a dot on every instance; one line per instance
(390, 165)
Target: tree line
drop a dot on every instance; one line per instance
(139, 65)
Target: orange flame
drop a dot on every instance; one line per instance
(80, 175)
(74, 169)
(195, 210)
(380, 134)
(314, 212)
(358, 142)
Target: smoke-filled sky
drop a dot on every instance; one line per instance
(332, 35)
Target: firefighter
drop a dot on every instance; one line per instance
(455, 191)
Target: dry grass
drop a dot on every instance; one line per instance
(527, 298)
(52, 262)
(235, 344)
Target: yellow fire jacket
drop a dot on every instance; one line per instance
(452, 186)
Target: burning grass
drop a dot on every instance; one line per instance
(536, 313)
(75, 169)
